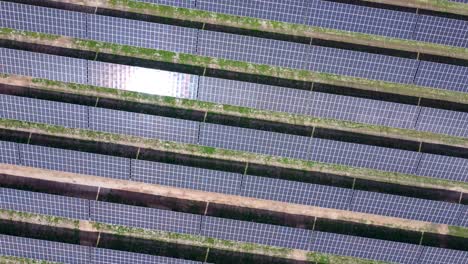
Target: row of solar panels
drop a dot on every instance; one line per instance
(233, 183)
(75, 254)
(231, 92)
(235, 230)
(233, 138)
(235, 47)
(341, 16)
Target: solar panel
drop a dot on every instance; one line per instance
(143, 80)
(405, 207)
(443, 122)
(443, 76)
(44, 66)
(43, 250)
(259, 96)
(278, 236)
(365, 248)
(362, 19)
(142, 34)
(364, 110)
(45, 204)
(186, 177)
(432, 255)
(44, 20)
(75, 161)
(142, 217)
(176, 3)
(46, 112)
(290, 11)
(9, 153)
(296, 192)
(254, 50)
(442, 30)
(363, 65)
(105, 256)
(358, 155)
(257, 141)
(464, 217)
(143, 125)
(444, 167)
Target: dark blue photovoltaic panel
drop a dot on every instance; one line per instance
(464, 217)
(44, 66)
(9, 153)
(142, 80)
(75, 161)
(358, 155)
(186, 177)
(444, 167)
(364, 110)
(296, 192)
(142, 34)
(443, 76)
(442, 30)
(363, 65)
(43, 250)
(106, 256)
(44, 20)
(176, 3)
(291, 11)
(46, 112)
(432, 255)
(259, 96)
(405, 207)
(257, 141)
(254, 50)
(365, 248)
(143, 125)
(443, 122)
(279, 236)
(362, 19)
(142, 217)
(45, 204)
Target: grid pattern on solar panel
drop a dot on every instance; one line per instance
(365, 248)
(46, 112)
(44, 66)
(177, 3)
(257, 141)
(142, 34)
(363, 65)
(443, 122)
(143, 80)
(362, 19)
(442, 30)
(9, 153)
(364, 110)
(290, 11)
(44, 20)
(143, 125)
(254, 50)
(464, 217)
(45, 204)
(444, 167)
(295, 192)
(358, 155)
(43, 250)
(279, 236)
(405, 207)
(260, 96)
(75, 161)
(443, 76)
(432, 255)
(105, 256)
(186, 177)
(142, 217)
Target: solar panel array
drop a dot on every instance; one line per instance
(443, 167)
(9, 153)
(464, 217)
(442, 30)
(443, 76)
(105, 256)
(432, 255)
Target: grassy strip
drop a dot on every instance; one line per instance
(236, 66)
(319, 258)
(288, 28)
(18, 260)
(435, 5)
(210, 152)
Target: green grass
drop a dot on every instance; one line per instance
(18, 260)
(458, 231)
(319, 258)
